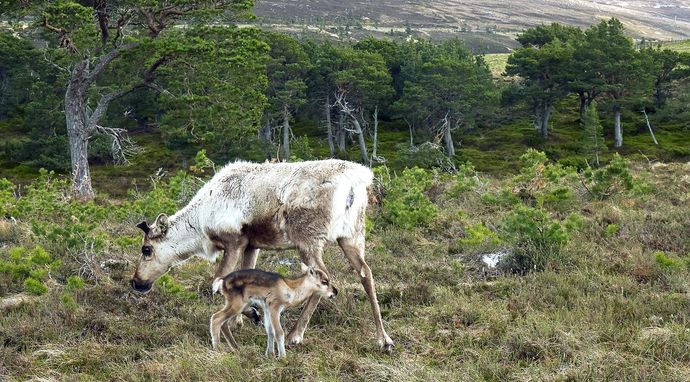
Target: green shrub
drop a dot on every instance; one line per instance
(301, 149)
(465, 180)
(202, 164)
(544, 184)
(405, 204)
(478, 235)
(536, 239)
(75, 283)
(34, 286)
(665, 261)
(607, 181)
(68, 301)
(611, 230)
(28, 267)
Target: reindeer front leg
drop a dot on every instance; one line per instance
(233, 248)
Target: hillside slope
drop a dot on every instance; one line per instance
(657, 20)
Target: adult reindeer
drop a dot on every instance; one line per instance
(246, 207)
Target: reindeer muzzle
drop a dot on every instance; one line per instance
(335, 292)
(140, 286)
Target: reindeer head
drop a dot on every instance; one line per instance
(319, 282)
(156, 257)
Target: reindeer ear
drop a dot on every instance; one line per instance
(144, 226)
(312, 272)
(162, 223)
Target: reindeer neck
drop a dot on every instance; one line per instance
(183, 238)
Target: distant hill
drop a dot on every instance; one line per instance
(491, 24)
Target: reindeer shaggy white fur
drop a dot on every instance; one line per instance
(248, 206)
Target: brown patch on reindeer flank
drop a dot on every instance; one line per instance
(265, 233)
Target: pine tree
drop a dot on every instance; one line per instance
(593, 142)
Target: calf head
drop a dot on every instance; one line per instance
(156, 257)
(320, 282)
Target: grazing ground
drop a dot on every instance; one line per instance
(611, 301)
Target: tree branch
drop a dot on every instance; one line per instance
(122, 145)
(105, 60)
(64, 40)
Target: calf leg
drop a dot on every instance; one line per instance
(279, 333)
(312, 259)
(270, 333)
(249, 262)
(216, 325)
(229, 338)
(354, 251)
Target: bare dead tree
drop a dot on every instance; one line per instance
(350, 112)
(329, 126)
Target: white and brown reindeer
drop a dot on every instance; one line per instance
(273, 293)
(246, 207)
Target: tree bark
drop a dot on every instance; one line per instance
(617, 132)
(341, 132)
(583, 107)
(538, 118)
(360, 137)
(286, 133)
(546, 113)
(376, 134)
(447, 137)
(329, 127)
(79, 131)
(265, 134)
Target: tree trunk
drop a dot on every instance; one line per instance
(538, 119)
(360, 137)
(546, 113)
(583, 107)
(79, 132)
(376, 134)
(286, 133)
(341, 132)
(329, 127)
(265, 135)
(447, 137)
(617, 132)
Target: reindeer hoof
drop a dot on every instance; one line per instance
(295, 340)
(387, 345)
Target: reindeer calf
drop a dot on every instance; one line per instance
(270, 291)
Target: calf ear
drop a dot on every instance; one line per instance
(144, 227)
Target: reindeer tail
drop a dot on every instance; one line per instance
(217, 284)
